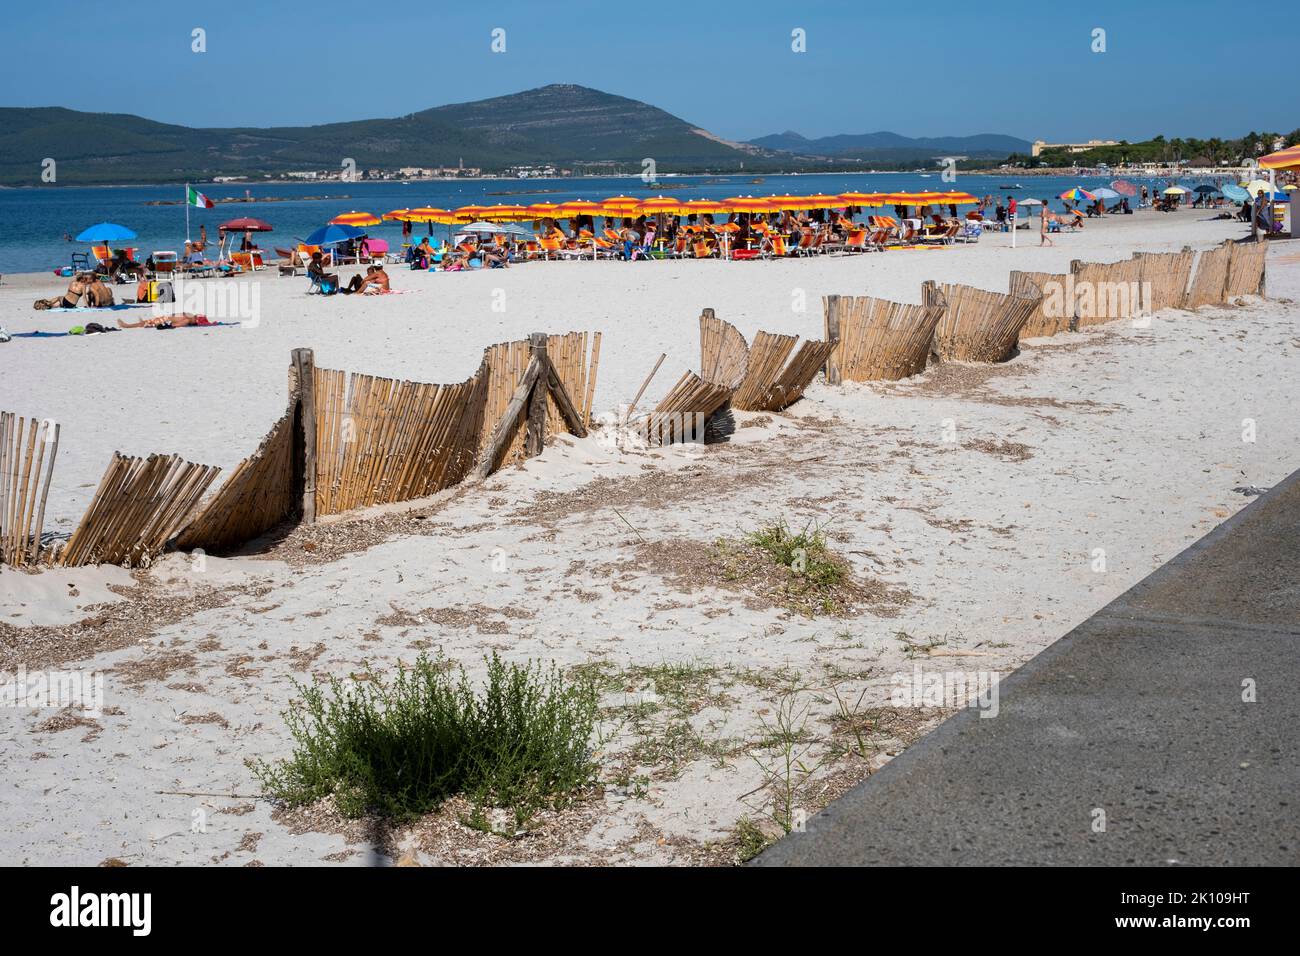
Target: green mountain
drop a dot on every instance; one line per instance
(561, 124)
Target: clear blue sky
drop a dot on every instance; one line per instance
(1023, 67)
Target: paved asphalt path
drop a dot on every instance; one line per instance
(1137, 712)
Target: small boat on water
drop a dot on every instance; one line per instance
(1016, 186)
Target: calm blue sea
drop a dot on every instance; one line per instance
(33, 221)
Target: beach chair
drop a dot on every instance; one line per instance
(81, 262)
(549, 247)
(857, 241)
(971, 231)
(164, 264)
(700, 249)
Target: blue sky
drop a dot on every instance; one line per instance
(1004, 66)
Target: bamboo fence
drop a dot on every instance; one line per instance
(684, 412)
(978, 325)
(771, 384)
(381, 440)
(139, 505)
(25, 470)
(873, 339)
(1164, 277)
(724, 356)
(1245, 269)
(1054, 312)
(504, 366)
(1211, 278)
(256, 497)
(1106, 291)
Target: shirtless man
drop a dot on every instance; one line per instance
(98, 295)
(375, 278)
(176, 321)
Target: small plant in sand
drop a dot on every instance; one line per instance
(400, 748)
(797, 565)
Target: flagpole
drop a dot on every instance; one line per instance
(187, 212)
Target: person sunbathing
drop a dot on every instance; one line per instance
(176, 321)
(76, 289)
(375, 280)
(316, 269)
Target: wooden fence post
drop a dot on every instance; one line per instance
(831, 305)
(1075, 266)
(535, 437)
(304, 433)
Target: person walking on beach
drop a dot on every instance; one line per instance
(1043, 238)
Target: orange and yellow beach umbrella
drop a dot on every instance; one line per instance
(621, 205)
(747, 204)
(504, 213)
(433, 214)
(354, 218)
(397, 215)
(468, 213)
(698, 206)
(659, 204)
(579, 207)
(821, 201)
(1288, 158)
(862, 199)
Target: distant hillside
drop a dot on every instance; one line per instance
(559, 124)
(885, 145)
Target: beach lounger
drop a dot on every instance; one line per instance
(857, 241)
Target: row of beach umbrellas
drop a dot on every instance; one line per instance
(630, 207)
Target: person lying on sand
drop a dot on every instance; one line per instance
(177, 321)
(375, 280)
(76, 289)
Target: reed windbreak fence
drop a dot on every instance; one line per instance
(978, 325)
(878, 340)
(28, 447)
(348, 440)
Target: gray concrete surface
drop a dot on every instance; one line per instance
(1138, 712)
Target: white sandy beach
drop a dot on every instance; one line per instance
(984, 492)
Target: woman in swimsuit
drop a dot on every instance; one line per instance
(177, 321)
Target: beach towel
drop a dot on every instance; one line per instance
(101, 308)
(59, 335)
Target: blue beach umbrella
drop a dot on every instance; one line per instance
(105, 232)
(333, 234)
(1235, 193)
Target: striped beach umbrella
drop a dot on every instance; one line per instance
(543, 210)
(785, 203)
(862, 199)
(621, 205)
(397, 215)
(1077, 194)
(958, 199)
(1288, 158)
(469, 213)
(821, 201)
(354, 218)
(433, 214)
(579, 207)
(747, 204)
(504, 213)
(659, 204)
(700, 206)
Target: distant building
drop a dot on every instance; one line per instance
(1040, 147)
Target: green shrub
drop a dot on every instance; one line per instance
(400, 749)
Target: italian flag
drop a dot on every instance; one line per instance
(196, 198)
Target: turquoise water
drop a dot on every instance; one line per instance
(34, 221)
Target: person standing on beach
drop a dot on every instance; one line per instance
(1043, 238)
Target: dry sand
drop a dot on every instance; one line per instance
(985, 493)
